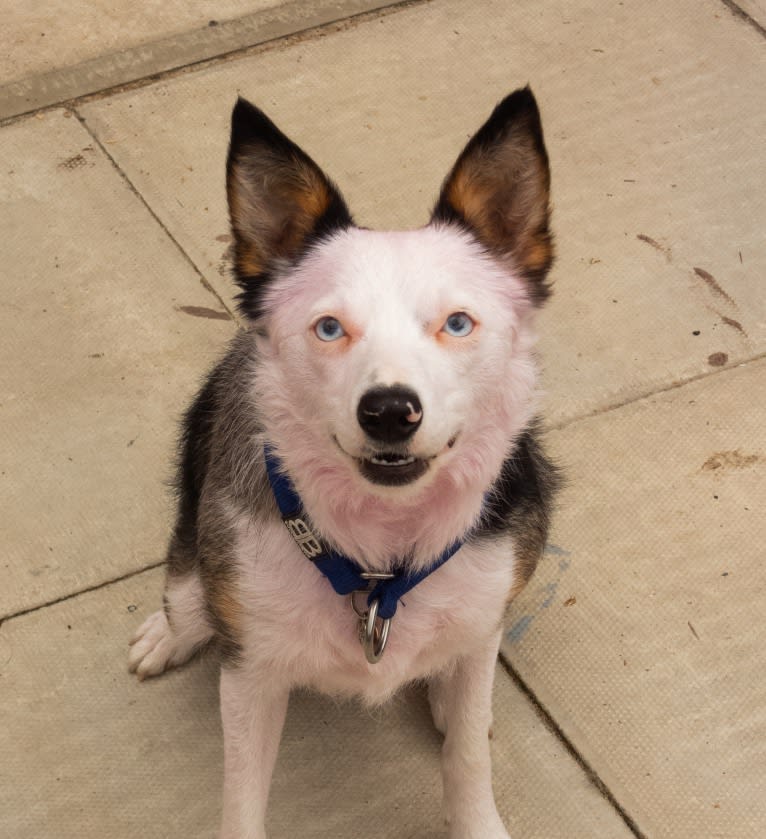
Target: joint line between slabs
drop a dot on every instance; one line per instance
(72, 595)
(551, 724)
(631, 400)
(740, 13)
(204, 282)
(201, 62)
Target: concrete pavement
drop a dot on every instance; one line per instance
(629, 700)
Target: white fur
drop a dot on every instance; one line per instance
(298, 632)
(395, 290)
(156, 645)
(392, 292)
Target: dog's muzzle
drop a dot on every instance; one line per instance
(391, 415)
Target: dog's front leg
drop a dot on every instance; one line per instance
(465, 697)
(253, 711)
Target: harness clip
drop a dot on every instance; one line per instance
(373, 631)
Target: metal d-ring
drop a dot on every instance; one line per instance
(373, 638)
(369, 577)
(360, 613)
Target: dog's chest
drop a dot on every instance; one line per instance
(298, 626)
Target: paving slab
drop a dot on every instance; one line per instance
(654, 122)
(52, 34)
(642, 632)
(754, 9)
(102, 342)
(120, 758)
(56, 52)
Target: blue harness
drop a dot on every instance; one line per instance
(345, 576)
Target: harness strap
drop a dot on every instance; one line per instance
(344, 574)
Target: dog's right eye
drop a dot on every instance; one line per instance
(328, 329)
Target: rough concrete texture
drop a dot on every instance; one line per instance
(642, 631)
(102, 343)
(637, 644)
(120, 758)
(52, 34)
(143, 45)
(651, 118)
(755, 10)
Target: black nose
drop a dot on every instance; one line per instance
(390, 414)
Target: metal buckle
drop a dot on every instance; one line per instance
(373, 631)
(374, 636)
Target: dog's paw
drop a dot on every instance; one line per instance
(154, 648)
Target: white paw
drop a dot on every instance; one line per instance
(154, 647)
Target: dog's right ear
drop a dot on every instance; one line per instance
(499, 190)
(279, 200)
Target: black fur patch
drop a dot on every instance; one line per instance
(499, 187)
(193, 458)
(528, 482)
(520, 504)
(258, 146)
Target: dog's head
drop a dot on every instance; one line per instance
(393, 357)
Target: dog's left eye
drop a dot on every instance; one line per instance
(458, 324)
(328, 329)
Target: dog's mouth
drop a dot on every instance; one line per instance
(394, 468)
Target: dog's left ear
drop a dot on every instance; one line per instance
(499, 188)
(279, 200)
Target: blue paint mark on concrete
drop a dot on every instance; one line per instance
(551, 588)
(519, 629)
(556, 550)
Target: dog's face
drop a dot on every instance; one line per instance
(393, 357)
(395, 349)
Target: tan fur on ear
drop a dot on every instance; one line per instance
(500, 188)
(274, 205)
(503, 194)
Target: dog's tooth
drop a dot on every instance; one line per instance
(404, 461)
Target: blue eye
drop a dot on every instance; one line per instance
(458, 324)
(328, 329)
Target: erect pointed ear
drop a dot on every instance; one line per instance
(499, 188)
(279, 199)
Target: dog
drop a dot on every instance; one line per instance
(361, 483)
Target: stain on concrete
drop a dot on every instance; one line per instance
(519, 629)
(730, 460)
(77, 161)
(663, 249)
(734, 324)
(226, 261)
(717, 359)
(711, 282)
(204, 312)
(551, 590)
